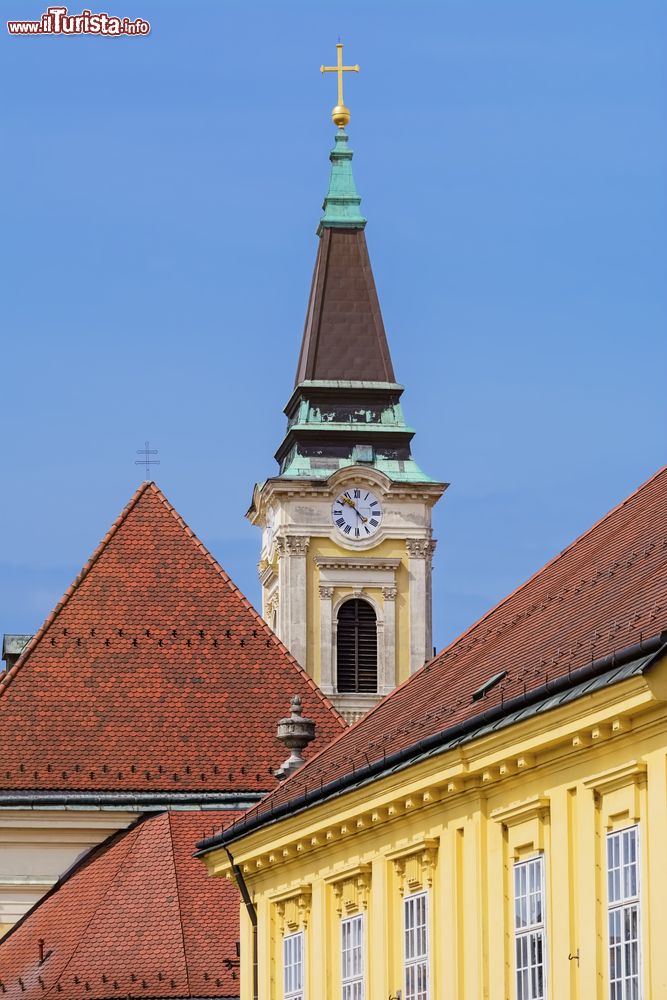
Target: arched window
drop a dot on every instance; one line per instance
(357, 648)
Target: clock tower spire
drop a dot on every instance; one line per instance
(347, 542)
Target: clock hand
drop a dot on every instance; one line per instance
(352, 504)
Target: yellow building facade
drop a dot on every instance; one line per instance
(545, 801)
(496, 828)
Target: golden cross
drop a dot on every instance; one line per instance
(340, 114)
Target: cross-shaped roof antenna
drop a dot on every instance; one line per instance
(147, 461)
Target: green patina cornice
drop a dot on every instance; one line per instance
(371, 421)
(342, 203)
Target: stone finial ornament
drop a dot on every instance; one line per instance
(295, 732)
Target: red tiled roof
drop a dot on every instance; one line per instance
(152, 673)
(602, 594)
(137, 917)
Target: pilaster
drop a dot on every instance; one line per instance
(420, 554)
(387, 678)
(327, 640)
(292, 551)
(282, 616)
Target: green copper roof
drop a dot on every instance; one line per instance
(310, 418)
(342, 203)
(399, 471)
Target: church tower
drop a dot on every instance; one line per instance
(347, 543)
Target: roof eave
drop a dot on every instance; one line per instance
(653, 648)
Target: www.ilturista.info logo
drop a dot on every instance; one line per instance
(57, 21)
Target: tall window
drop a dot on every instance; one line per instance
(293, 966)
(352, 955)
(357, 648)
(529, 933)
(623, 914)
(415, 948)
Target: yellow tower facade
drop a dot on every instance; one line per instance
(312, 573)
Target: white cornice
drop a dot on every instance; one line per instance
(356, 562)
(326, 488)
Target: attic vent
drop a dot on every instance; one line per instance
(357, 648)
(487, 685)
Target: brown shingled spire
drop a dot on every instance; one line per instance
(344, 336)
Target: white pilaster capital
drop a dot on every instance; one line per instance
(420, 548)
(326, 593)
(296, 545)
(389, 593)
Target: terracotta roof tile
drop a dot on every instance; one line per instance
(603, 593)
(151, 673)
(137, 917)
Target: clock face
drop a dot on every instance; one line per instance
(357, 513)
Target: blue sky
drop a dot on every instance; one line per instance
(160, 202)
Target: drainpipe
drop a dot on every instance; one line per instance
(252, 913)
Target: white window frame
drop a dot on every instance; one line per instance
(621, 902)
(415, 959)
(294, 960)
(353, 985)
(527, 933)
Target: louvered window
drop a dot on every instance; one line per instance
(357, 648)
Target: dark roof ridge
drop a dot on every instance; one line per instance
(88, 858)
(178, 903)
(107, 889)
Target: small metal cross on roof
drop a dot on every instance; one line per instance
(147, 451)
